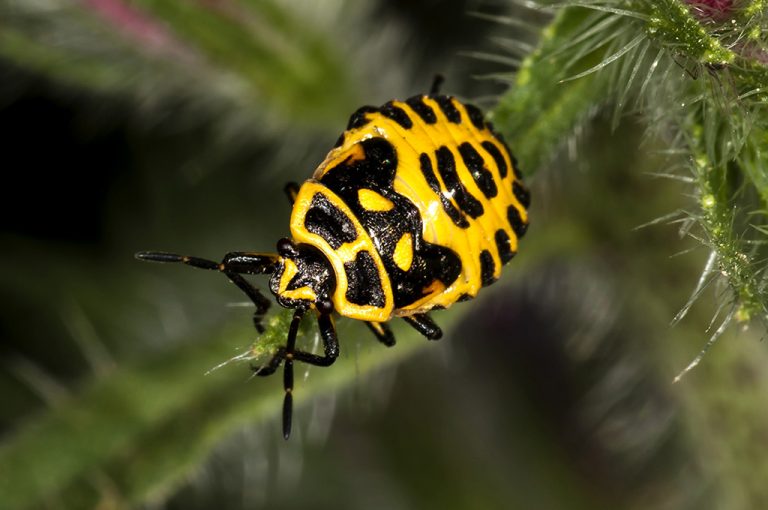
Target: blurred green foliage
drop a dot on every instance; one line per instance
(174, 125)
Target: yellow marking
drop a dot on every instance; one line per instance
(373, 201)
(289, 272)
(403, 255)
(348, 251)
(424, 304)
(377, 327)
(303, 293)
(348, 152)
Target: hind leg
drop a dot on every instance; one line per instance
(425, 325)
(382, 332)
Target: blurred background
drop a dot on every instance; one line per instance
(173, 125)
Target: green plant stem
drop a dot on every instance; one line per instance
(539, 112)
(144, 427)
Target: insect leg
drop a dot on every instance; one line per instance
(330, 345)
(382, 332)
(234, 264)
(424, 325)
(291, 190)
(437, 81)
(289, 354)
(255, 295)
(272, 365)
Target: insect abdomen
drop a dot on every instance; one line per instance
(438, 193)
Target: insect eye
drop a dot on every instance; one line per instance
(324, 306)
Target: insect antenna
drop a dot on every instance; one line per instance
(163, 257)
(233, 265)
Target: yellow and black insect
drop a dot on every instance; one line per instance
(417, 206)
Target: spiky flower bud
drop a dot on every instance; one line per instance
(711, 9)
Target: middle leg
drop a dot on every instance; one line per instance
(382, 332)
(422, 323)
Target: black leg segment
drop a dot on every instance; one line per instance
(382, 332)
(289, 354)
(291, 191)
(272, 365)
(424, 325)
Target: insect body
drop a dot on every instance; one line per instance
(418, 206)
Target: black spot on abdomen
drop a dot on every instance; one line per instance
(363, 282)
(476, 166)
(516, 222)
(358, 119)
(475, 116)
(457, 217)
(504, 246)
(397, 114)
(376, 171)
(431, 262)
(521, 194)
(491, 149)
(329, 222)
(500, 138)
(448, 108)
(487, 268)
(380, 162)
(446, 165)
(422, 109)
